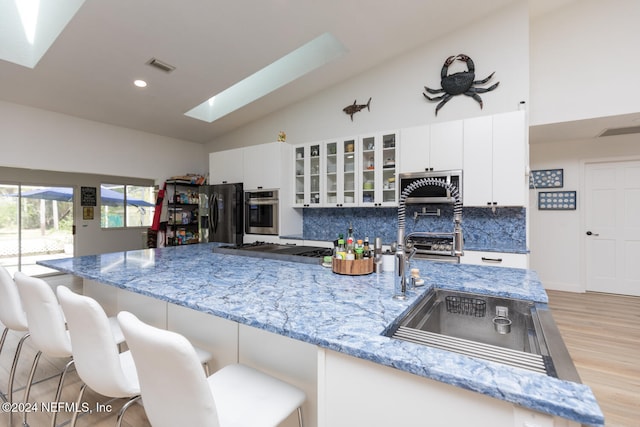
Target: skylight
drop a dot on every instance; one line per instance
(290, 67)
(28, 28)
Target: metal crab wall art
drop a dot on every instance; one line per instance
(461, 83)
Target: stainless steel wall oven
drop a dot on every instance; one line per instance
(261, 212)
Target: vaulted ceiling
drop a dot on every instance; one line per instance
(89, 69)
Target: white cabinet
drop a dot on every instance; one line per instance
(510, 150)
(432, 147)
(226, 166)
(307, 167)
(377, 165)
(256, 166)
(495, 160)
(263, 165)
(477, 175)
(495, 259)
(339, 177)
(446, 145)
(346, 172)
(414, 148)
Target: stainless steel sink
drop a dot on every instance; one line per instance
(508, 331)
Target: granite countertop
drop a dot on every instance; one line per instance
(343, 313)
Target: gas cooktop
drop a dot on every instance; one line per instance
(278, 251)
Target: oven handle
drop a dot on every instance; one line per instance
(262, 202)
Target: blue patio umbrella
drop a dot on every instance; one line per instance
(65, 194)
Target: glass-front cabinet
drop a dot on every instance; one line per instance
(307, 174)
(377, 165)
(340, 173)
(346, 172)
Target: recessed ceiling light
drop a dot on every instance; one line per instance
(140, 83)
(314, 54)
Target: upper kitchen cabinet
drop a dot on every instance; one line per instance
(264, 165)
(307, 167)
(432, 147)
(257, 166)
(377, 164)
(339, 177)
(495, 160)
(226, 166)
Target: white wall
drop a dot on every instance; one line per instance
(557, 237)
(37, 139)
(584, 62)
(498, 43)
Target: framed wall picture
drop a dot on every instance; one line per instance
(557, 200)
(87, 213)
(547, 178)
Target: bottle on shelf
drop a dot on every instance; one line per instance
(366, 250)
(350, 241)
(341, 252)
(359, 249)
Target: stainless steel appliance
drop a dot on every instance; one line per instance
(221, 213)
(432, 193)
(261, 212)
(278, 251)
(433, 246)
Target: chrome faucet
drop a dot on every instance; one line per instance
(401, 257)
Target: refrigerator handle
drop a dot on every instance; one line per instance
(214, 207)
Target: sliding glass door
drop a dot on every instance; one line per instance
(36, 223)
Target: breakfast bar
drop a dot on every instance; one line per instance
(325, 333)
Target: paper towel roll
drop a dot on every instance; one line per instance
(388, 262)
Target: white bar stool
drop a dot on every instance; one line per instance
(175, 391)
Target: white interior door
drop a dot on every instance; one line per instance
(612, 234)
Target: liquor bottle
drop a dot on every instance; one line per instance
(366, 250)
(350, 241)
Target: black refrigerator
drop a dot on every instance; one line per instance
(221, 213)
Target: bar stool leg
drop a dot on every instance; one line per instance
(14, 366)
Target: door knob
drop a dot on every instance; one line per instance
(589, 233)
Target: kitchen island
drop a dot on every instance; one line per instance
(352, 373)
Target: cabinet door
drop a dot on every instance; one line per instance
(262, 166)
(477, 173)
(333, 179)
(369, 161)
(348, 195)
(307, 168)
(300, 166)
(510, 183)
(377, 164)
(414, 148)
(446, 145)
(386, 186)
(226, 166)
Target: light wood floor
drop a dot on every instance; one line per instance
(602, 333)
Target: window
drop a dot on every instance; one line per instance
(126, 205)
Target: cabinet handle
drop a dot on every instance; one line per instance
(494, 260)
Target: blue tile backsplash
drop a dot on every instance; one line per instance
(484, 230)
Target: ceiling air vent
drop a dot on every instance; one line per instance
(167, 68)
(620, 131)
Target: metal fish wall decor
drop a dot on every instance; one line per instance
(355, 107)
